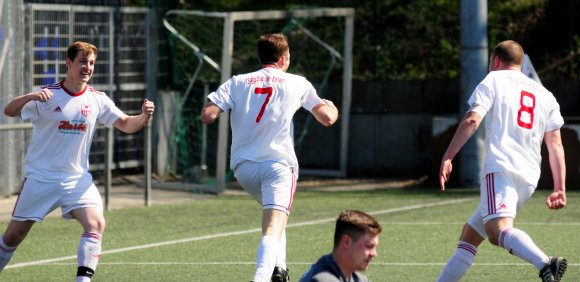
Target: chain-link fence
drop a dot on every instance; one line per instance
(33, 43)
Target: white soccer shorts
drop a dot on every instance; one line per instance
(502, 194)
(272, 184)
(37, 199)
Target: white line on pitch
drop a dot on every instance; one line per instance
(294, 263)
(242, 232)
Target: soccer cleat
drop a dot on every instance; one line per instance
(554, 270)
(280, 275)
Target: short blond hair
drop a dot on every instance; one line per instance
(80, 46)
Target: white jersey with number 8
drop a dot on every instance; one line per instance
(521, 111)
(263, 104)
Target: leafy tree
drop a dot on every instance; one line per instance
(396, 39)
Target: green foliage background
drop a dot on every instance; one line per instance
(394, 40)
(404, 40)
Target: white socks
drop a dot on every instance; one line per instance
(88, 255)
(83, 279)
(89, 252)
(516, 241)
(6, 253)
(267, 252)
(519, 244)
(459, 263)
(281, 258)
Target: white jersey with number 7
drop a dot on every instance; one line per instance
(262, 105)
(519, 112)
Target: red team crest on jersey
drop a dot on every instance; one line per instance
(85, 109)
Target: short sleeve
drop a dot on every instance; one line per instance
(221, 97)
(30, 111)
(555, 120)
(109, 113)
(478, 109)
(481, 100)
(310, 99)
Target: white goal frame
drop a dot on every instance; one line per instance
(225, 69)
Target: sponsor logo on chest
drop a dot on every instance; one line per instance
(73, 127)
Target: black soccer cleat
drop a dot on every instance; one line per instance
(554, 270)
(280, 275)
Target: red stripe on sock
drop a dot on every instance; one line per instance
(468, 248)
(91, 235)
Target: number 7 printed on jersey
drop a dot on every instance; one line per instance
(261, 91)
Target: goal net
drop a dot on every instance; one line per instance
(207, 48)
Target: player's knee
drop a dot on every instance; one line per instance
(493, 236)
(13, 238)
(494, 241)
(100, 226)
(494, 227)
(12, 241)
(96, 226)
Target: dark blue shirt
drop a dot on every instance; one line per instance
(326, 270)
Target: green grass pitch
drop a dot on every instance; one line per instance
(216, 239)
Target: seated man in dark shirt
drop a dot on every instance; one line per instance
(356, 238)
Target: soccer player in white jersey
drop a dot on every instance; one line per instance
(262, 105)
(64, 116)
(520, 113)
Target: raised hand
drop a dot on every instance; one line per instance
(42, 95)
(148, 107)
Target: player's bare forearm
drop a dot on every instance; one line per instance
(132, 124)
(553, 140)
(465, 130)
(325, 112)
(557, 160)
(13, 108)
(558, 167)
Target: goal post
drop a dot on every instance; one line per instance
(229, 21)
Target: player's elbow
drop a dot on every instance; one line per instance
(326, 116)
(10, 113)
(472, 123)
